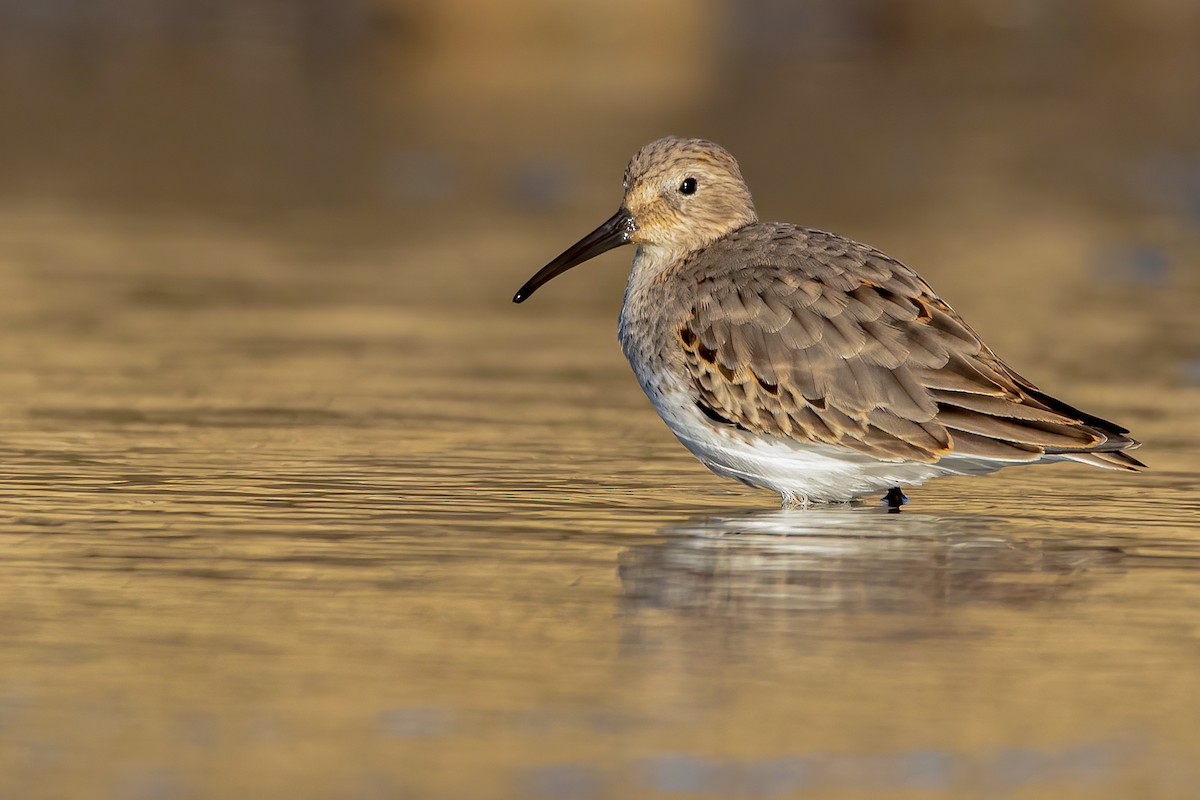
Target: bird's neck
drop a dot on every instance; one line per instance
(653, 264)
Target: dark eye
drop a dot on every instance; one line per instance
(688, 186)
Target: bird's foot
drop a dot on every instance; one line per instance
(894, 499)
(796, 502)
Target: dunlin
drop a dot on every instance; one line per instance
(806, 363)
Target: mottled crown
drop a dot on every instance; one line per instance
(672, 151)
(681, 218)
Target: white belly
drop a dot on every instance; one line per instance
(799, 471)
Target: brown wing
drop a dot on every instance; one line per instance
(835, 342)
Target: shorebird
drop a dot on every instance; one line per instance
(803, 362)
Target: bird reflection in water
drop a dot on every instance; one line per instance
(853, 559)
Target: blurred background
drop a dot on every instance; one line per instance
(300, 505)
(984, 142)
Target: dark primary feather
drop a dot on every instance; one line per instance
(816, 337)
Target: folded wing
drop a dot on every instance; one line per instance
(835, 342)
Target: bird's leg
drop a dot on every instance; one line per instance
(796, 502)
(894, 499)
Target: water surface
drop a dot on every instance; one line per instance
(298, 505)
(271, 529)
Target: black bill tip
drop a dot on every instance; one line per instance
(613, 233)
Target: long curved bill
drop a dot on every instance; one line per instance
(613, 233)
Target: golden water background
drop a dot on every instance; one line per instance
(297, 504)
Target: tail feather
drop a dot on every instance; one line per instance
(1111, 429)
(1111, 453)
(1118, 459)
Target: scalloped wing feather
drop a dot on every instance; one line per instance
(834, 342)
